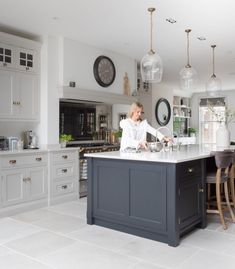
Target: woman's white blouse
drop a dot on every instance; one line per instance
(135, 132)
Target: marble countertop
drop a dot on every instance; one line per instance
(186, 153)
(51, 148)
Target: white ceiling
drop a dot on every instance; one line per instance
(123, 26)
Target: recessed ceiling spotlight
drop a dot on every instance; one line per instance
(170, 20)
(201, 38)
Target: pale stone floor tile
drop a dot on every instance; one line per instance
(17, 261)
(87, 256)
(208, 260)
(103, 237)
(39, 244)
(61, 223)
(66, 241)
(11, 229)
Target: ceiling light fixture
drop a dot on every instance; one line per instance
(151, 63)
(201, 38)
(213, 85)
(188, 75)
(170, 20)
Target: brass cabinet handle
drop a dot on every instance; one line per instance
(190, 170)
(64, 187)
(12, 161)
(38, 159)
(200, 190)
(65, 157)
(64, 170)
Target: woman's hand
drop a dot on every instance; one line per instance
(167, 139)
(143, 144)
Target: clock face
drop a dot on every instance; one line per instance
(104, 71)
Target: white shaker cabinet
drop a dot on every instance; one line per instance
(24, 182)
(19, 96)
(63, 175)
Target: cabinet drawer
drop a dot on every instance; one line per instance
(64, 170)
(21, 161)
(64, 187)
(189, 169)
(64, 156)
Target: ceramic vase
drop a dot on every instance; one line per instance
(222, 136)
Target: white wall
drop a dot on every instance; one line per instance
(78, 60)
(230, 101)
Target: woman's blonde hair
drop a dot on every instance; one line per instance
(133, 108)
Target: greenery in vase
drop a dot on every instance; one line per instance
(226, 116)
(65, 137)
(192, 130)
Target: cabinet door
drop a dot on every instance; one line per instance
(7, 87)
(190, 201)
(13, 187)
(27, 60)
(27, 96)
(6, 56)
(37, 183)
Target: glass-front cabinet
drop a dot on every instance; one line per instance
(181, 116)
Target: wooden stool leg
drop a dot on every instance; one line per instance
(231, 180)
(227, 200)
(218, 200)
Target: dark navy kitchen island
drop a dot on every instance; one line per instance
(159, 196)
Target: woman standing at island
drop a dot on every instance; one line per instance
(134, 129)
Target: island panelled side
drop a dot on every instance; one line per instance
(159, 201)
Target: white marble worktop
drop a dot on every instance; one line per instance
(186, 153)
(36, 151)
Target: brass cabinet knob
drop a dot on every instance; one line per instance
(12, 161)
(64, 170)
(65, 157)
(200, 190)
(38, 159)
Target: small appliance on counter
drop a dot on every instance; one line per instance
(3, 143)
(30, 140)
(12, 142)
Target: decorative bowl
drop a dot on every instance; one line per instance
(155, 146)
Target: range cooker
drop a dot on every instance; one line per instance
(89, 147)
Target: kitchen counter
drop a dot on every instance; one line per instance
(186, 153)
(32, 151)
(160, 196)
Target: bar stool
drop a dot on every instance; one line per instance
(223, 161)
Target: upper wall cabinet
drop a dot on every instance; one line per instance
(6, 56)
(19, 78)
(19, 96)
(27, 60)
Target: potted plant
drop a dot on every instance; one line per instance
(192, 132)
(64, 138)
(118, 135)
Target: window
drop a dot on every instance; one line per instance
(208, 121)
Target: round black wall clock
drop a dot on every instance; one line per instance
(104, 71)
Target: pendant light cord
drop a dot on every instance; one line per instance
(188, 31)
(213, 47)
(151, 10)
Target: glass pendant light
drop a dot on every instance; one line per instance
(213, 85)
(151, 63)
(188, 75)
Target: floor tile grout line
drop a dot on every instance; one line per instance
(27, 256)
